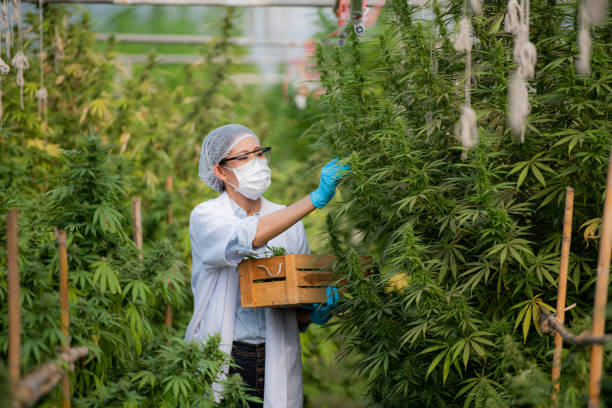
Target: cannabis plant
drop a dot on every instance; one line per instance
(467, 250)
(117, 300)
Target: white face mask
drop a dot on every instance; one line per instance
(254, 178)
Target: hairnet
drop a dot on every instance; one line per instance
(216, 145)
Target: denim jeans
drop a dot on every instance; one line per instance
(251, 361)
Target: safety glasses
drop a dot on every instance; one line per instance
(260, 153)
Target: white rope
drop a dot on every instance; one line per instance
(270, 274)
(4, 67)
(41, 93)
(466, 129)
(19, 61)
(591, 13)
(5, 25)
(463, 41)
(58, 46)
(525, 56)
(4, 70)
(518, 108)
(476, 6)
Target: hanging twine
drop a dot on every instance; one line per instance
(4, 16)
(466, 129)
(19, 61)
(519, 107)
(5, 26)
(41, 93)
(516, 23)
(4, 67)
(463, 41)
(59, 46)
(476, 6)
(591, 12)
(4, 70)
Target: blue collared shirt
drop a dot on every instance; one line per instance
(250, 324)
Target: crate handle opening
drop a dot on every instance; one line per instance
(272, 275)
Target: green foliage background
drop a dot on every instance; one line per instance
(109, 138)
(466, 250)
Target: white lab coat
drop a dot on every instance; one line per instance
(215, 282)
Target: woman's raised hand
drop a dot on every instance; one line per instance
(330, 174)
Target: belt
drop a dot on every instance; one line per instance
(249, 346)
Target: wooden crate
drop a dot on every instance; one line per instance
(286, 281)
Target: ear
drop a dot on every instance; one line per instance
(220, 173)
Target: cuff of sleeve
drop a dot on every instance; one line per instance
(241, 242)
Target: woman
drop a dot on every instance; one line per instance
(263, 341)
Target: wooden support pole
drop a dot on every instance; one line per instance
(136, 213)
(14, 305)
(601, 294)
(565, 252)
(169, 187)
(63, 266)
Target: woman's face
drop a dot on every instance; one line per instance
(244, 146)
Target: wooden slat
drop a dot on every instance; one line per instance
(314, 261)
(271, 293)
(291, 282)
(312, 295)
(314, 278)
(322, 261)
(246, 282)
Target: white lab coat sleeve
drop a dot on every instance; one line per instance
(211, 233)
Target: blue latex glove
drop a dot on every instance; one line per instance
(322, 312)
(330, 173)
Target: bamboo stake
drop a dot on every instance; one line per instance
(168, 315)
(63, 264)
(601, 294)
(136, 212)
(169, 188)
(565, 251)
(14, 306)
